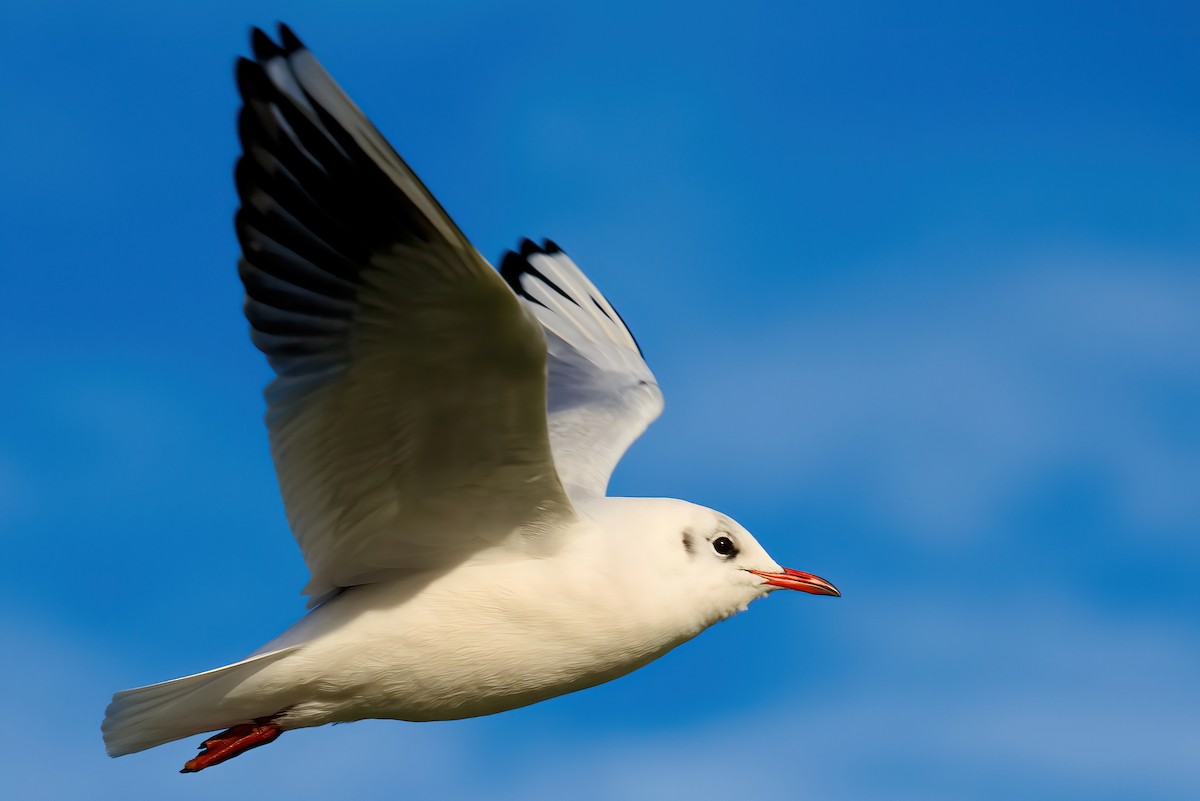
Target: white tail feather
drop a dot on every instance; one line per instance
(144, 717)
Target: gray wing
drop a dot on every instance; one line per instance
(601, 394)
(407, 417)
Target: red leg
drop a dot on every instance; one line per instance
(231, 742)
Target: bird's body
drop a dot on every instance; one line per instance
(443, 436)
(488, 636)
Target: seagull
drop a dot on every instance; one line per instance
(443, 434)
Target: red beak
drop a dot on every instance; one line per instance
(798, 580)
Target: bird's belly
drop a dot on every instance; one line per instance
(463, 650)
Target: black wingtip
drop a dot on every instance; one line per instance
(250, 78)
(514, 265)
(529, 247)
(245, 72)
(511, 265)
(262, 45)
(291, 42)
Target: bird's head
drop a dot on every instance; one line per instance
(705, 559)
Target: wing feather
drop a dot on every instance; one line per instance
(601, 394)
(407, 417)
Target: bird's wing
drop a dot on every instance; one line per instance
(407, 417)
(601, 394)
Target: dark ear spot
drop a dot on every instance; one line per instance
(688, 544)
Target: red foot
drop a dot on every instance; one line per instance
(231, 742)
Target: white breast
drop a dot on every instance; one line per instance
(481, 639)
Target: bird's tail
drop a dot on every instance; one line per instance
(144, 717)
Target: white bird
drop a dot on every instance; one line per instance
(443, 435)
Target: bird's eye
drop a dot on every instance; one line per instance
(724, 546)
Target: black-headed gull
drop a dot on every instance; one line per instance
(443, 435)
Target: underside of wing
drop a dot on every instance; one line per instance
(601, 394)
(407, 417)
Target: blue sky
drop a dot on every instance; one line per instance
(920, 282)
